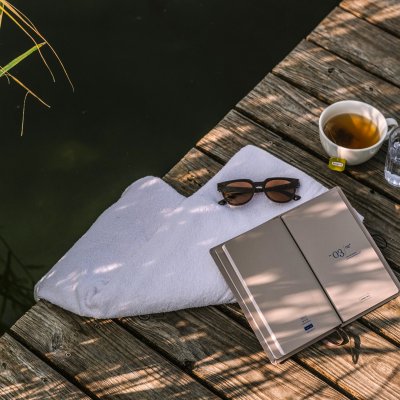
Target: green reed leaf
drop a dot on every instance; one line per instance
(17, 60)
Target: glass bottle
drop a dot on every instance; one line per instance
(392, 165)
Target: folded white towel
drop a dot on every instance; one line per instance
(149, 252)
(112, 242)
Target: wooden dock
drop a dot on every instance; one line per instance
(207, 353)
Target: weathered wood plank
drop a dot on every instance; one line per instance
(360, 42)
(383, 13)
(330, 78)
(226, 356)
(192, 172)
(24, 376)
(386, 320)
(103, 357)
(376, 374)
(278, 105)
(291, 112)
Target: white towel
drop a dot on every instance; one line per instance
(149, 252)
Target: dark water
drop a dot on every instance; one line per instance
(151, 78)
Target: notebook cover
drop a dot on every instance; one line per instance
(345, 260)
(255, 261)
(277, 289)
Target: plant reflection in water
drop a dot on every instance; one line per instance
(16, 284)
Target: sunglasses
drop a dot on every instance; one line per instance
(241, 191)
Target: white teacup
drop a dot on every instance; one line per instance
(355, 156)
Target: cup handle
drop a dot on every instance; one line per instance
(392, 124)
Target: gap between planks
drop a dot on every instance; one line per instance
(104, 358)
(331, 34)
(185, 367)
(23, 373)
(383, 13)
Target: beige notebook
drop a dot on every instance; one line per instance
(301, 275)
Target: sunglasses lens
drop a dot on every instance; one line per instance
(238, 193)
(280, 192)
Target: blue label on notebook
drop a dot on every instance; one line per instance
(308, 327)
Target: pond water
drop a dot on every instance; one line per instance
(151, 78)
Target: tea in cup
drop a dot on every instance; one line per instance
(353, 130)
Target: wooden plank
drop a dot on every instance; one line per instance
(228, 357)
(192, 172)
(360, 42)
(386, 320)
(103, 357)
(376, 374)
(24, 376)
(293, 113)
(331, 79)
(383, 13)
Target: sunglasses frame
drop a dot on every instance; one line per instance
(258, 187)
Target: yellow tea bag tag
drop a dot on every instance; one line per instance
(337, 164)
